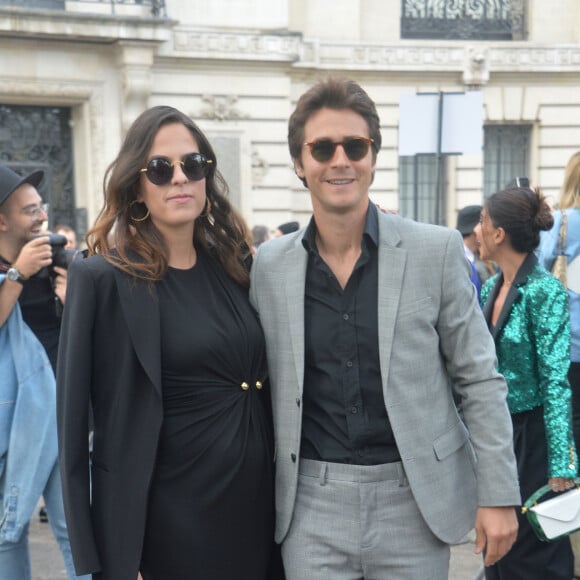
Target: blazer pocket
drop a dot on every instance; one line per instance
(414, 307)
(450, 441)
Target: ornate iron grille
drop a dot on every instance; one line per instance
(464, 19)
(157, 7)
(506, 155)
(34, 138)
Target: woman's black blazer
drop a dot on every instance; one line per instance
(109, 356)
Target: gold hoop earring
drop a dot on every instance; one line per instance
(207, 208)
(141, 219)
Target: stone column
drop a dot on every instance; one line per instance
(135, 62)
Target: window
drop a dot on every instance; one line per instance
(463, 19)
(419, 197)
(506, 154)
(38, 137)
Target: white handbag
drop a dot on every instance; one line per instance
(556, 517)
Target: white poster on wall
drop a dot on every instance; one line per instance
(461, 122)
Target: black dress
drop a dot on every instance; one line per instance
(210, 513)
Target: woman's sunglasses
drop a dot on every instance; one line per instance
(354, 147)
(159, 170)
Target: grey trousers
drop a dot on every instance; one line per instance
(354, 522)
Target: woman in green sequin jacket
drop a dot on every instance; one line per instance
(526, 309)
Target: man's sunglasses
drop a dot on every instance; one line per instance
(159, 170)
(354, 147)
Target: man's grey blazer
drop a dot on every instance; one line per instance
(431, 335)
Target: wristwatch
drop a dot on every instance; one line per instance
(14, 275)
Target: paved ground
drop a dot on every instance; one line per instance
(47, 563)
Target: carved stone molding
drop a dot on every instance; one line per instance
(476, 72)
(377, 57)
(532, 59)
(220, 108)
(238, 46)
(420, 56)
(433, 58)
(260, 167)
(26, 88)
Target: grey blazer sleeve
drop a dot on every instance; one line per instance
(471, 362)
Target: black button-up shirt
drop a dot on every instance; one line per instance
(344, 414)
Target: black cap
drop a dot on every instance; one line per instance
(10, 181)
(468, 218)
(289, 227)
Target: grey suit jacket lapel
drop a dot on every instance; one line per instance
(295, 263)
(141, 308)
(392, 262)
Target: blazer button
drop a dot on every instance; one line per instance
(258, 385)
(245, 386)
(293, 457)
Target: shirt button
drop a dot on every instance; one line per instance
(354, 410)
(298, 402)
(293, 457)
(349, 364)
(345, 316)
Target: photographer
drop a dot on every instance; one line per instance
(32, 289)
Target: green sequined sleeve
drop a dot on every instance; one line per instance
(549, 324)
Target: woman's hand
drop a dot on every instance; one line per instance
(560, 483)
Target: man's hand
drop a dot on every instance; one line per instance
(34, 255)
(60, 283)
(496, 529)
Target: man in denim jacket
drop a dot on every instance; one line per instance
(28, 439)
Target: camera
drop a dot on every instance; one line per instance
(60, 257)
(518, 182)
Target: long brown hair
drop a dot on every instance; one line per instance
(137, 247)
(570, 195)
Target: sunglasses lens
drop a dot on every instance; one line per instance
(322, 150)
(159, 171)
(195, 166)
(355, 149)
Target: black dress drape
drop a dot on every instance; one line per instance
(210, 513)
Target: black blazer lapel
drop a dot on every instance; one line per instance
(141, 308)
(513, 295)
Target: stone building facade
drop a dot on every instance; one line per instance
(75, 73)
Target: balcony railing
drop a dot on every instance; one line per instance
(464, 19)
(138, 8)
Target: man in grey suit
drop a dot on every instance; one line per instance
(369, 318)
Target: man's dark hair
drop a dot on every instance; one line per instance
(337, 94)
